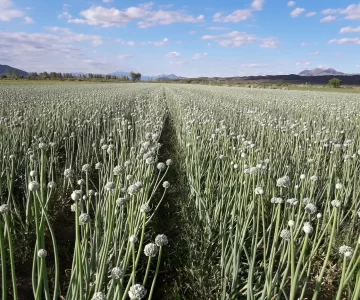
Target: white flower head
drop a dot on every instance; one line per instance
(137, 292)
(346, 251)
(161, 240)
(307, 228)
(259, 190)
(151, 250)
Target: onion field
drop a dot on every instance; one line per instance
(169, 191)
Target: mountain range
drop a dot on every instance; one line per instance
(3, 69)
(321, 72)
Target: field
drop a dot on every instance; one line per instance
(160, 191)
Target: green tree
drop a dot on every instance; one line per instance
(7, 72)
(135, 76)
(335, 82)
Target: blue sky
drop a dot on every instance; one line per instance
(188, 38)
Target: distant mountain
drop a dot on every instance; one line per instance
(320, 72)
(147, 77)
(4, 67)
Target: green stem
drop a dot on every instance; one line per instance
(156, 274)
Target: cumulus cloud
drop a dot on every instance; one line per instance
(311, 14)
(331, 11)
(257, 4)
(146, 16)
(349, 29)
(8, 11)
(328, 19)
(125, 56)
(291, 3)
(237, 39)
(355, 41)
(235, 17)
(28, 20)
(217, 28)
(173, 54)
(303, 63)
(35, 51)
(352, 12)
(65, 14)
(162, 43)
(199, 56)
(297, 12)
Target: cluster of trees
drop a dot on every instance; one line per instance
(135, 76)
(335, 82)
(64, 76)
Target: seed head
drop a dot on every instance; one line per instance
(137, 292)
(277, 200)
(285, 234)
(133, 239)
(169, 162)
(84, 219)
(161, 240)
(319, 215)
(313, 178)
(259, 190)
(81, 182)
(34, 186)
(98, 296)
(338, 186)
(291, 223)
(43, 146)
(166, 184)
(292, 201)
(117, 273)
(68, 173)
(161, 166)
(151, 250)
(86, 168)
(98, 166)
(283, 182)
(75, 195)
(109, 186)
(145, 208)
(133, 189)
(51, 185)
(122, 201)
(307, 228)
(335, 203)
(346, 251)
(118, 170)
(4, 208)
(33, 173)
(310, 208)
(302, 176)
(42, 253)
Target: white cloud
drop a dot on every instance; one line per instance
(328, 19)
(28, 20)
(235, 17)
(349, 29)
(355, 41)
(303, 44)
(291, 3)
(315, 53)
(107, 1)
(199, 56)
(173, 54)
(270, 43)
(257, 4)
(255, 66)
(162, 43)
(303, 63)
(331, 11)
(180, 62)
(35, 51)
(126, 56)
(352, 12)
(192, 32)
(217, 28)
(67, 36)
(311, 14)
(113, 17)
(237, 39)
(8, 11)
(297, 12)
(64, 15)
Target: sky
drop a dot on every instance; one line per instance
(186, 38)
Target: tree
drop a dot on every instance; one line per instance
(135, 76)
(7, 72)
(15, 73)
(335, 82)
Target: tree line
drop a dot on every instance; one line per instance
(14, 74)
